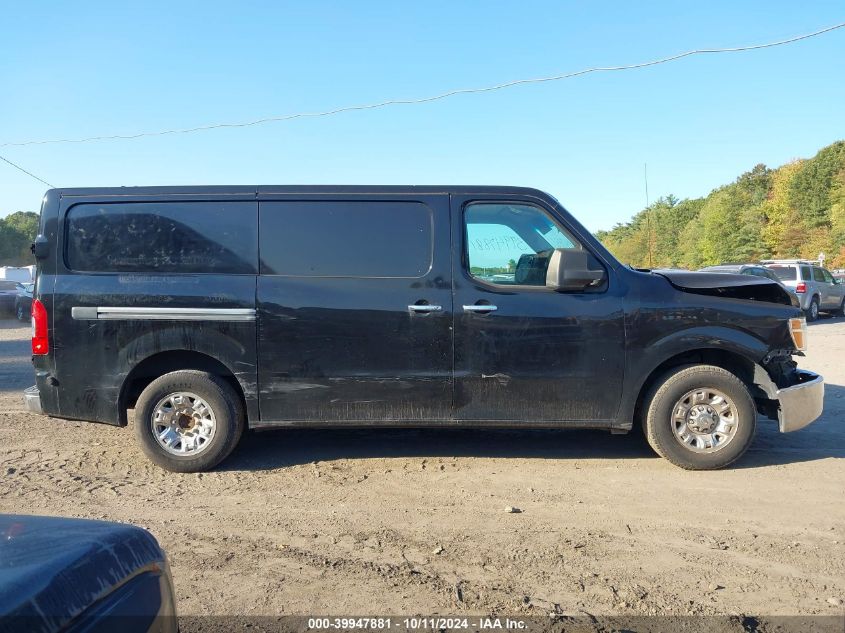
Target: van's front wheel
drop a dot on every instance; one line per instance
(700, 417)
(188, 421)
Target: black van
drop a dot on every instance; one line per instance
(211, 309)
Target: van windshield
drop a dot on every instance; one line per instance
(785, 273)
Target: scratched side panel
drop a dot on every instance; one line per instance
(93, 357)
(541, 357)
(348, 350)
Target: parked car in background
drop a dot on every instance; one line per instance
(8, 296)
(815, 286)
(839, 276)
(59, 574)
(23, 301)
(20, 274)
(756, 270)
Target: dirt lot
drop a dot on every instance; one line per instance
(404, 522)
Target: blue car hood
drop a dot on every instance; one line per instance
(52, 569)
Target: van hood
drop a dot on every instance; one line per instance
(729, 286)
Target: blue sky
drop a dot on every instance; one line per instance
(87, 68)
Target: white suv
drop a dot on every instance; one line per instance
(816, 288)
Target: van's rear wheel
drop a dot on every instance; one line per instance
(188, 421)
(21, 313)
(700, 417)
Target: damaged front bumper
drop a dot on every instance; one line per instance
(797, 405)
(801, 403)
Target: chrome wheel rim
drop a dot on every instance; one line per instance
(183, 424)
(704, 420)
(814, 310)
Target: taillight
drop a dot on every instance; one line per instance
(801, 287)
(40, 341)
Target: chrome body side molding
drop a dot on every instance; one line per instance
(163, 314)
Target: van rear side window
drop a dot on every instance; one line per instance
(166, 237)
(346, 239)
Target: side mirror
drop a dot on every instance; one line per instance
(40, 247)
(569, 270)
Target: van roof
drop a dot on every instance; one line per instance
(288, 189)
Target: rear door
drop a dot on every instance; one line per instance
(823, 288)
(835, 291)
(354, 306)
(523, 352)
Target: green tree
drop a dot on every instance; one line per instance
(778, 211)
(810, 189)
(17, 232)
(795, 210)
(837, 220)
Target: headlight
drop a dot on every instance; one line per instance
(798, 330)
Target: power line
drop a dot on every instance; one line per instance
(438, 97)
(28, 173)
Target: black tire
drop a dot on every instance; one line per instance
(813, 311)
(20, 313)
(840, 311)
(221, 399)
(666, 393)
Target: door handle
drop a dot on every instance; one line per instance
(425, 308)
(480, 307)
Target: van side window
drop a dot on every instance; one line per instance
(806, 273)
(818, 275)
(510, 244)
(346, 239)
(165, 237)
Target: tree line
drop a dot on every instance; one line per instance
(796, 210)
(17, 232)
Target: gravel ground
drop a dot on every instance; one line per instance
(410, 521)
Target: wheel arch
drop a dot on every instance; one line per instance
(740, 365)
(160, 363)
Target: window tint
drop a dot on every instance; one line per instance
(828, 278)
(510, 244)
(786, 273)
(806, 273)
(171, 237)
(346, 239)
(818, 275)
